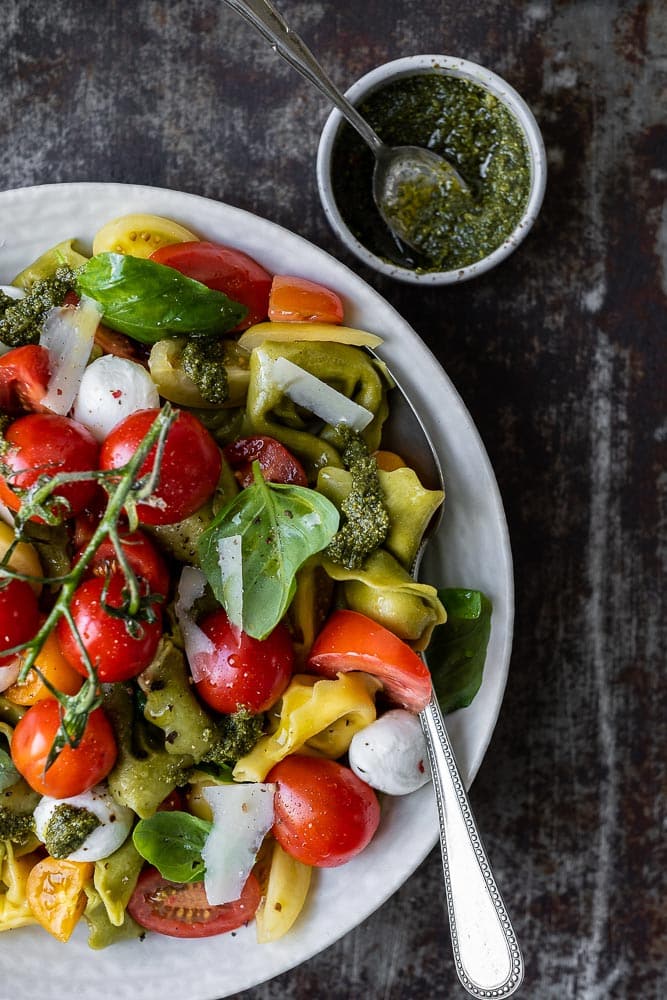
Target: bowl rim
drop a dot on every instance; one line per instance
(462, 69)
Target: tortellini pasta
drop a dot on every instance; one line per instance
(386, 592)
(14, 908)
(410, 506)
(317, 715)
(345, 368)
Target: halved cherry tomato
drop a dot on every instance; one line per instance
(298, 300)
(190, 468)
(388, 461)
(19, 615)
(352, 641)
(180, 909)
(224, 269)
(278, 465)
(144, 559)
(53, 666)
(55, 894)
(139, 234)
(243, 672)
(114, 652)
(24, 378)
(324, 813)
(45, 444)
(75, 770)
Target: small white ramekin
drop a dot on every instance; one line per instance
(378, 78)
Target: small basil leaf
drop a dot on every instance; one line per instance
(149, 301)
(280, 527)
(173, 843)
(457, 650)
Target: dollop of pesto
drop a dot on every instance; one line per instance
(366, 521)
(203, 361)
(474, 131)
(68, 828)
(21, 320)
(15, 826)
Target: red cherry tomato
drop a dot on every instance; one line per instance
(113, 651)
(324, 813)
(352, 641)
(180, 909)
(278, 465)
(298, 300)
(243, 672)
(144, 559)
(45, 444)
(19, 615)
(74, 770)
(190, 468)
(24, 378)
(224, 269)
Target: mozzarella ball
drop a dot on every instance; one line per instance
(115, 822)
(111, 389)
(390, 754)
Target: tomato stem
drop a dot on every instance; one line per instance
(125, 488)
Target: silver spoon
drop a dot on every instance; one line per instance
(486, 953)
(405, 178)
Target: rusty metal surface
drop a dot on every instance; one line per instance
(560, 356)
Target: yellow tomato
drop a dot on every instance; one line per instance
(388, 461)
(54, 667)
(24, 557)
(140, 235)
(55, 894)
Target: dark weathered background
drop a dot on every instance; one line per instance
(559, 355)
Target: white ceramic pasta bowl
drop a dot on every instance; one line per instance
(471, 548)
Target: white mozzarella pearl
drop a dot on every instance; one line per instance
(390, 754)
(115, 822)
(111, 389)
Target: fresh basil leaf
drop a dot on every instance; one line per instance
(8, 773)
(280, 527)
(173, 843)
(457, 651)
(149, 301)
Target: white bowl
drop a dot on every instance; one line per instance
(470, 548)
(377, 79)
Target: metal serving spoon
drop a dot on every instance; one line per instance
(404, 177)
(486, 953)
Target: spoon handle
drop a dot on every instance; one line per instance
(486, 953)
(264, 16)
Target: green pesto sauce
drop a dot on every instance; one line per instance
(474, 131)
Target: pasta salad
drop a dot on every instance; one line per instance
(209, 631)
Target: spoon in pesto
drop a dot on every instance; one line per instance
(407, 180)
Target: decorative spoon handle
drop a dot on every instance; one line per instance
(487, 956)
(270, 23)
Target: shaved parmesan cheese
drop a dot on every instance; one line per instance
(198, 647)
(68, 336)
(242, 816)
(311, 332)
(230, 560)
(9, 673)
(308, 391)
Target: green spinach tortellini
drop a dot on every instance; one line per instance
(410, 506)
(347, 369)
(386, 592)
